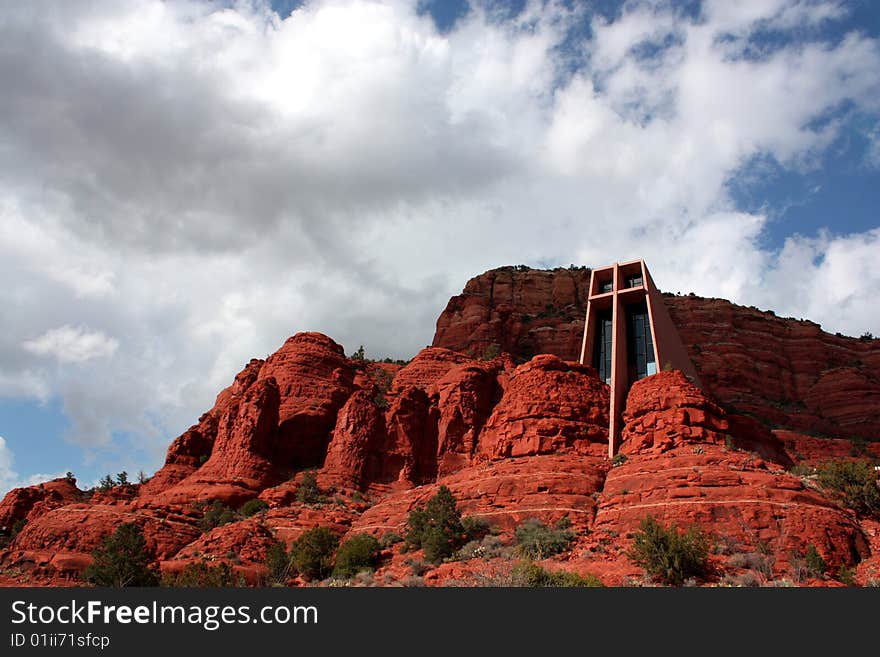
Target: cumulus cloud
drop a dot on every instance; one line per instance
(185, 184)
(72, 344)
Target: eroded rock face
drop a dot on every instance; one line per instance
(786, 372)
(734, 496)
(521, 311)
(33, 501)
(511, 442)
(666, 410)
(549, 405)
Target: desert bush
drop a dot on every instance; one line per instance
(216, 515)
(668, 555)
(436, 527)
(388, 539)
(122, 560)
(537, 541)
(475, 528)
(201, 575)
(855, 482)
(277, 564)
(308, 491)
(485, 548)
(253, 506)
(816, 565)
(528, 573)
(618, 459)
(311, 555)
(360, 552)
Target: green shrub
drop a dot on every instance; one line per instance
(528, 573)
(388, 539)
(846, 575)
(668, 555)
(253, 506)
(277, 562)
(815, 564)
(436, 527)
(618, 459)
(360, 552)
(216, 515)
(311, 555)
(201, 575)
(308, 491)
(122, 560)
(475, 528)
(536, 540)
(855, 482)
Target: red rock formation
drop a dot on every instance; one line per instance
(666, 410)
(511, 443)
(517, 310)
(550, 405)
(466, 396)
(504, 493)
(786, 372)
(315, 379)
(33, 501)
(359, 426)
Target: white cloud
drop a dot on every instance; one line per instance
(196, 183)
(72, 344)
(10, 479)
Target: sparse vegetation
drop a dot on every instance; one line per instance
(491, 351)
(309, 492)
(360, 552)
(106, 483)
(252, 507)
(388, 539)
(436, 527)
(216, 515)
(311, 555)
(69, 478)
(528, 573)
(358, 354)
(856, 484)
(277, 562)
(122, 560)
(536, 540)
(201, 575)
(669, 555)
(618, 459)
(814, 562)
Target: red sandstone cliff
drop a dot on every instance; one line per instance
(511, 441)
(785, 372)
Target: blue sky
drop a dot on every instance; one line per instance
(185, 184)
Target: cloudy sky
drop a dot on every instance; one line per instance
(184, 184)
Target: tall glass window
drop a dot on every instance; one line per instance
(639, 345)
(602, 345)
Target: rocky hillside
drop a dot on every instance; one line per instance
(514, 436)
(784, 372)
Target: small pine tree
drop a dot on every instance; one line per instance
(122, 478)
(312, 553)
(106, 483)
(122, 560)
(436, 527)
(359, 354)
(277, 564)
(142, 477)
(308, 491)
(360, 552)
(69, 478)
